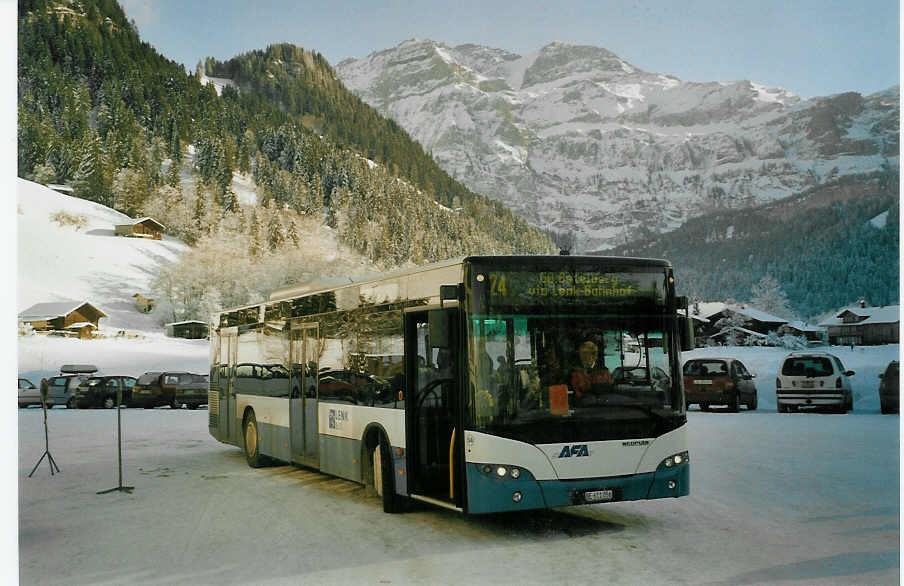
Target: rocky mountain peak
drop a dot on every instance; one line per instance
(577, 139)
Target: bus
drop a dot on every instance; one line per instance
(481, 384)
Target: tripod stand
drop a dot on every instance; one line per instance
(46, 453)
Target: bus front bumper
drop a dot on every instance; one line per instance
(490, 493)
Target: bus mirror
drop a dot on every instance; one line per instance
(438, 328)
(686, 327)
(685, 324)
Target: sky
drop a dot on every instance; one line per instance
(809, 47)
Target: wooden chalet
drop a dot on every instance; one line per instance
(865, 326)
(811, 332)
(62, 315)
(83, 330)
(142, 228)
(190, 329)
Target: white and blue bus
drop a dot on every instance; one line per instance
(483, 384)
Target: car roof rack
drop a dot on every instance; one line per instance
(78, 369)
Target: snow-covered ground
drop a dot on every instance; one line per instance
(775, 498)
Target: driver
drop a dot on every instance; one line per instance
(591, 376)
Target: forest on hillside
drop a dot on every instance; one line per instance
(102, 111)
(828, 248)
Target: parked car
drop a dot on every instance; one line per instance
(101, 391)
(813, 379)
(889, 389)
(719, 381)
(29, 394)
(61, 389)
(154, 389)
(191, 390)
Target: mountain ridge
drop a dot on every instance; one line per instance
(587, 143)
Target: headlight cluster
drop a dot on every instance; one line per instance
(675, 460)
(500, 471)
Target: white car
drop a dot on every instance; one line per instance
(813, 379)
(29, 394)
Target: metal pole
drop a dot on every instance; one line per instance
(120, 487)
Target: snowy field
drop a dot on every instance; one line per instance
(775, 498)
(791, 498)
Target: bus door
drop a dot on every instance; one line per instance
(303, 349)
(228, 353)
(432, 407)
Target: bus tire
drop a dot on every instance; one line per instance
(251, 441)
(384, 477)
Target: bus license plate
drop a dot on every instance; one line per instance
(598, 496)
(703, 382)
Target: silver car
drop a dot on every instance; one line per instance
(29, 394)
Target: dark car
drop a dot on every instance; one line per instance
(101, 391)
(719, 381)
(191, 389)
(173, 388)
(151, 391)
(889, 389)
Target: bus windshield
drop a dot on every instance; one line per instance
(577, 354)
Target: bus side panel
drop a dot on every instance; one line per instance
(340, 457)
(342, 431)
(272, 414)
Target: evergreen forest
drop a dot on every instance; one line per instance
(829, 247)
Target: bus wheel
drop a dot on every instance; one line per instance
(384, 477)
(109, 403)
(251, 444)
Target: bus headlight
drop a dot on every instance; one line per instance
(675, 460)
(503, 471)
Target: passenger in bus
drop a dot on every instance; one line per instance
(591, 377)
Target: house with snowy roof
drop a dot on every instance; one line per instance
(743, 316)
(142, 228)
(802, 329)
(78, 318)
(865, 326)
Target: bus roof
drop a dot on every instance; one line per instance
(322, 286)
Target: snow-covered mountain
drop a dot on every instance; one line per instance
(579, 140)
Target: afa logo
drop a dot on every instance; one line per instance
(575, 451)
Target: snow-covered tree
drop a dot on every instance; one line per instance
(767, 295)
